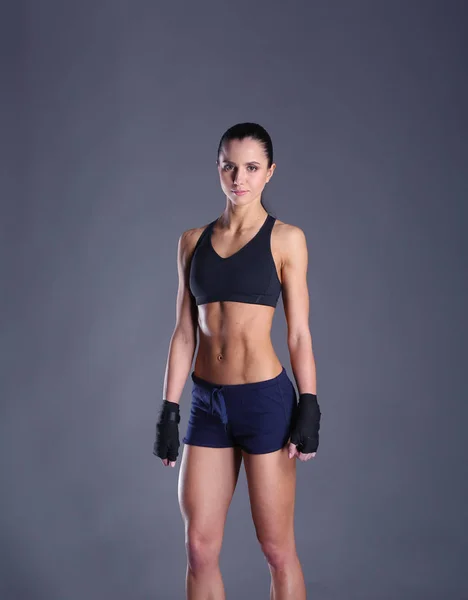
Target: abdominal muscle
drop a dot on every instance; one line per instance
(235, 345)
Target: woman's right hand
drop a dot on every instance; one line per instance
(166, 445)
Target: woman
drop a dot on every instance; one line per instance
(244, 406)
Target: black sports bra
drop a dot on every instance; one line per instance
(249, 275)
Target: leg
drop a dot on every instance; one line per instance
(208, 478)
(271, 481)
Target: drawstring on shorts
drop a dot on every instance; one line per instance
(218, 405)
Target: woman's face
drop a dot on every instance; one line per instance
(243, 166)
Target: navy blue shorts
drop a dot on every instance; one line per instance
(254, 416)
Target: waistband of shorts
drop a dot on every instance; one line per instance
(254, 385)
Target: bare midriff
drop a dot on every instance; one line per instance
(235, 344)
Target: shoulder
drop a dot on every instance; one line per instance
(289, 239)
(188, 240)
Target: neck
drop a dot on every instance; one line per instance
(242, 217)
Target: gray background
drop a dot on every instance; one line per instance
(111, 116)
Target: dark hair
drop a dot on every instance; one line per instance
(249, 130)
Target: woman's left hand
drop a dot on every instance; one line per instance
(293, 451)
(305, 428)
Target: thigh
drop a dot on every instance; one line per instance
(271, 480)
(207, 480)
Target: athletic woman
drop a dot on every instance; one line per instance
(244, 406)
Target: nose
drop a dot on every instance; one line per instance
(238, 179)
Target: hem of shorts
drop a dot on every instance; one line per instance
(275, 449)
(268, 451)
(206, 445)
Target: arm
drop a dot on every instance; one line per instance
(184, 338)
(296, 308)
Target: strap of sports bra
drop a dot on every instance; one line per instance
(204, 234)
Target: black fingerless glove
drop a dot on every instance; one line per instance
(306, 424)
(167, 431)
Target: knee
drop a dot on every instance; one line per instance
(279, 555)
(202, 551)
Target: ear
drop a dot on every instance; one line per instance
(271, 170)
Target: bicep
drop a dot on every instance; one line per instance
(294, 283)
(186, 309)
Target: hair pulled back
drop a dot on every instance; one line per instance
(240, 131)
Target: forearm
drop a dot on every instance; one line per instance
(179, 364)
(303, 363)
